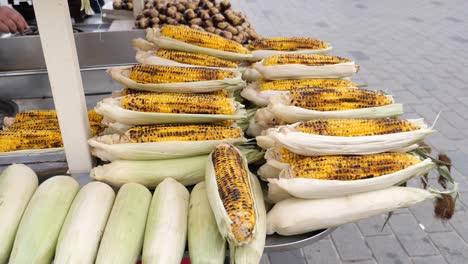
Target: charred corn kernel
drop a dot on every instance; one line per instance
(29, 139)
(227, 123)
(306, 59)
(202, 39)
(195, 59)
(144, 73)
(94, 117)
(356, 127)
(288, 85)
(51, 124)
(234, 189)
(287, 44)
(158, 133)
(35, 115)
(345, 168)
(284, 155)
(332, 99)
(180, 103)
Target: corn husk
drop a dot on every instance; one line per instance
(112, 109)
(280, 108)
(298, 216)
(188, 171)
(122, 240)
(140, 44)
(166, 227)
(121, 74)
(42, 220)
(154, 35)
(206, 245)
(260, 98)
(319, 189)
(17, 185)
(252, 252)
(250, 74)
(300, 71)
(312, 145)
(83, 228)
(107, 148)
(262, 54)
(222, 218)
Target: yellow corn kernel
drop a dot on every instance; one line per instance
(202, 39)
(158, 133)
(356, 127)
(144, 73)
(234, 188)
(332, 99)
(288, 85)
(195, 59)
(346, 168)
(180, 103)
(287, 44)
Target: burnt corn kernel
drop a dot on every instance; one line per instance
(234, 189)
(288, 85)
(287, 44)
(195, 59)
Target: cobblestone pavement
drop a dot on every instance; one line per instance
(418, 51)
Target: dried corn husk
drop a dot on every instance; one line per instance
(311, 145)
(299, 71)
(319, 189)
(112, 109)
(121, 74)
(107, 148)
(280, 108)
(297, 216)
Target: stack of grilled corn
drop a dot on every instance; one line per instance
(38, 132)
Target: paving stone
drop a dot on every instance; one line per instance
(293, 257)
(386, 249)
(459, 161)
(424, 213)
(459, 224)
(411, 236)
(265, 259)
(359, 262)
(373, 226)
(429, 260)
(322, 251)
(451, 246)
(350, 244)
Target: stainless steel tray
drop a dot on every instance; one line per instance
(276, 243)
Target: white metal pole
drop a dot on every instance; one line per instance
(58, 45)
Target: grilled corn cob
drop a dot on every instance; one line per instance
(195, 59)
(144, 73)
(306, 59)
(51, 124)
(180, 103)
(288, 85)
(356, 127)
(287, 44)
(35, 115)
(155, 133)
(202, 39)
(331, 99)
(29, 139)
(235, 191)
(345, 168)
